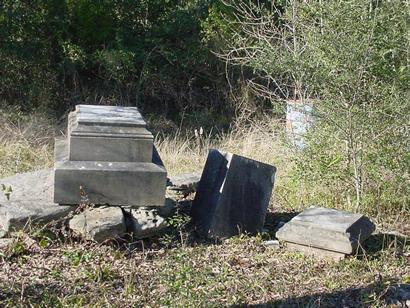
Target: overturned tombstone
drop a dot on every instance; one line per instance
(232, 196)
(326, 233)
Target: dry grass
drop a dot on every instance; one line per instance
(43, 269)
(241, 271)
(25, 143)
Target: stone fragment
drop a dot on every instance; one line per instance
(328, 229)
(274, 244)
(30, 201)
(99, 224)
(144, 222)
(185, 182)
(3, 233)
(108, 158)
(232, 196)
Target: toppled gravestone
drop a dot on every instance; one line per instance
(327, 233)
(31, 201)
(232, 196)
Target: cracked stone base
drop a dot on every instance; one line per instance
(113, 183)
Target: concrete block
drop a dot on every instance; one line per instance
(232, 196)
(113, 183)
(327, 229)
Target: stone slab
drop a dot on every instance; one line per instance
(316, 252)
(108, 133)
(328, 229)
(113, 183)
(31, 200)
(99, 224)
(232, 196)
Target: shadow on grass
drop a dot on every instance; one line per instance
(377, 294)
(379, 242)
(275, 220)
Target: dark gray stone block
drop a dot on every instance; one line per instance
(113, 183)
(327, 229)
(30, 201)
(136, 184)
(232, 196)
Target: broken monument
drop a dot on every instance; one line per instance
(107, 158)
(232, 196)
(30, 202)
(326, 232)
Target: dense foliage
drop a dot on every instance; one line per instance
(350, 59)
(152, 53)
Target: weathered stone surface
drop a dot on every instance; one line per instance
(100, 223)
(232, 196)
(108, 133)
(328, 229)
(30, 201)
(316, 252)
(186, 182)
(144, 222)
(114, 183)
(3, 233)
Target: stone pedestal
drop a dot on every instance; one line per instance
(107, 158)
(326, 230)
(232, 196)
